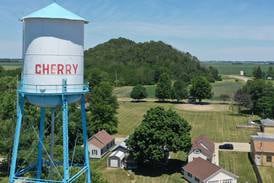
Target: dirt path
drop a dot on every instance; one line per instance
(243, 78)
(203, 107)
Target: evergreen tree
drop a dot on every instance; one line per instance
(163, 88)
(258, 73)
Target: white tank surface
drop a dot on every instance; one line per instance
(53, 45)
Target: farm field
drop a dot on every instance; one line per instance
(228, 68)
(267, 174)
(239, 164)
(124, 91)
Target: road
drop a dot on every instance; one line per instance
(238, 147)
(243, 78)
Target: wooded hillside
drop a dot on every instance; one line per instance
(128, 63)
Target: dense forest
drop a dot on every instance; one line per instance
(125, 62)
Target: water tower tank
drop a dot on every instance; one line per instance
(53, 43)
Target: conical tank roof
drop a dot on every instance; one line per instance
(54, 11)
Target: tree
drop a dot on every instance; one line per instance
(243, 98)
(258, 73)
(179, 91)
(270, 72)
(103, 109)
(214, 73)
(163, 88)
(138, 92)
(200, 88)
(161, 131)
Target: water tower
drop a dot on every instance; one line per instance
(52, 76)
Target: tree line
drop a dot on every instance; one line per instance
(199, 89)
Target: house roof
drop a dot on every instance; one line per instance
(267, 122)
(100, 139)
(54, 11)
(205, 145)
(263, 144)
(200, 168)
(118, 154)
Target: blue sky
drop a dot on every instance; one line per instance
(209, 29)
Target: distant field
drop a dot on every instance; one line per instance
(228, 86)
(239, 164)
(267, 174)
(232, 68)
(219, 126)
(10, 65)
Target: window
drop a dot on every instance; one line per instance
(268, 158)
(189, 174)
(227, 181)
(196, 179)
(94, 152)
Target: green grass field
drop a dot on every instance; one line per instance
(228, 86)
(267, 174)
(232, 68)
(239, 164)
(124, 91)
(219, 126)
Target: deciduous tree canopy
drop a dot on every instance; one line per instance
(162, 131)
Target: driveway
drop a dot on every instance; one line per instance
(238, 147)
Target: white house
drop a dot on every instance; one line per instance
(202, 147)
(202, 171)
(100, 143)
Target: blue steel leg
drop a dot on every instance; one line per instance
(84, 126)
(41, 141)
(20, 111)
(65, 140)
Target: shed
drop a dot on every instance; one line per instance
(116, 159)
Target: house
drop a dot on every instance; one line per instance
(100, 143)
(120, 158)
(267, 125)
(202, 147)
(202, 171)
(262, 149)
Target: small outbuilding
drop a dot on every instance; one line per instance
(267, 126)
(116, 159)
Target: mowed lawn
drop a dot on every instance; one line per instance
(267, 174)
(219, 126)
(168, 175)
(239, 164)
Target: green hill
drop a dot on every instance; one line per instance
(129, 63)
